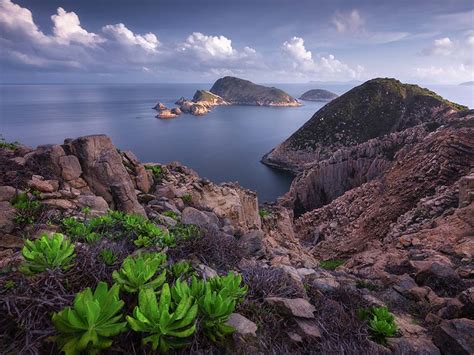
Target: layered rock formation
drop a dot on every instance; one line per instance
(243, 92)
(371, 110)
(318, 95)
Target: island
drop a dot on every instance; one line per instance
(318, 95)
(243, 92)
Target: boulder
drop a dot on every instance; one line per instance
(105, 173)
(60, 204)
(7, 193)
(70, 167)
(10, 241)
(7, 216)
(97, 204)
(455, 336)
(46, 158)
(40, 184)
(159, 106)
(467, 300)
(165, 114)
(191, 215)
(297, 307)
(251, 243)
(441, 277)
(308, 328)
(244, 327)
(176, 111)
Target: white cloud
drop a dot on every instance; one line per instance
(208, 46)
(446, 74)
(470, 40)
(441, 46)
(303, 63)
(122, 35)
(67, 28)
(351, 22)
(18, 22)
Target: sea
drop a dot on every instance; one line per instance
(225, 145)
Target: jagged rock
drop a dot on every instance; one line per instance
(440, 277)
(60, 204)
(141, 177)
(7, 193)
(244, 327)
(176, 111)
(47, 157)
(105, 174)
(415, 345)
(70, 167)
(97, 204)
(466, 190)
(455, 336)
(308, 328)
(159, 106)
(165, 114)
(297, 307)
(191, 215)
(7, 215)
(467, 299)
(10, 241)
(206, 271)
(251, 243)
(38, 183)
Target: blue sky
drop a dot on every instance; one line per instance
(264, 41)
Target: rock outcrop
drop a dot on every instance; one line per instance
(319, 95)
(208, 98)
(243, 92)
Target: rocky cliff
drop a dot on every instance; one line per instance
(243, 92)
(373, 109)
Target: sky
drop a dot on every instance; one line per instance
(277, 41)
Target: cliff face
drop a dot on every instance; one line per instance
(371, 110)
(243, 92)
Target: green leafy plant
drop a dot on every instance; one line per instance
(108, 256)
(90, 323)
(28, 208)
(157, 172)
(9, 284)
(264, 213)
(8, 145)
(171, 214)
(185, 231)
(79, 230)
(380, 321)
(367, 285)
(54, 252)
(169, 323)
(181, 269)
(215, 309)
(141, 272)
(230, 285)
(187, 198)
(331, 264)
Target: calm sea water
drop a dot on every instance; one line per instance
(225, 145)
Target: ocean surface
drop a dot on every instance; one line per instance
(225, 145)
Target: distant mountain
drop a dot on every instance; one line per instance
(467, 83)
(318, 95)
(243, 92)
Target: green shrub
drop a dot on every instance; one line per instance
(8, 145)
(157, 172)
(187, 198)
(27, 208)
(331, 264)
(90, 323)
(215, 309)
(185, 231)
(141, 272)
(380, 321)
(169, 323)
(171, 214)
(108, 256)
(229, 285)
(264, 213)
(54, 252)
(181, 269)
(79, 231)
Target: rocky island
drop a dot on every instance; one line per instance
(378, 223)
(318, 95)
(243, 92)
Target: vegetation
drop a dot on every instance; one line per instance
(331, 264)
(90, 323)
(187, 198)
(171, 214)
(182, 269)
(108, 256)
(157, 172)
(381, 323)
(169, 323)
(54, 252)
(8, 145)
(141, 272)
(117, 225)
(27, 206)
(264, 213)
